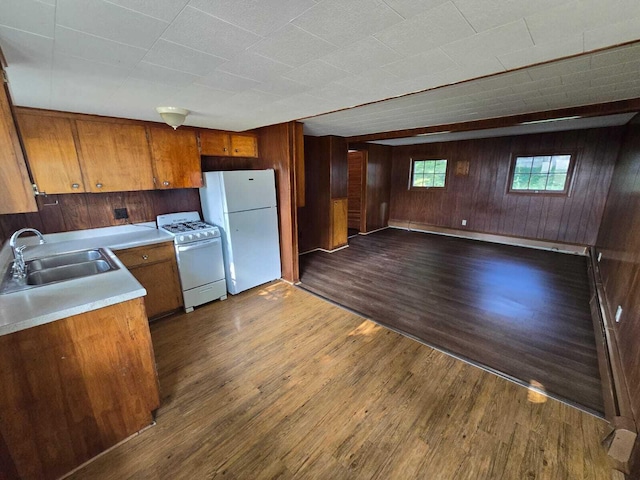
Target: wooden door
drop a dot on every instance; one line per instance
(16, 194)
(215, 144)
(356, 189)
(114, 157)
(51, 152)
(176, 158)
(244, 146)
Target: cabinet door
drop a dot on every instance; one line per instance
(114, 157)
(176, 158)
(163, 289)
(244, 146)
(51, 152)
(16, 194)
(216, 144)
(338, 222)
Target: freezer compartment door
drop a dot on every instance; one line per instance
(248, 189)
(252, 249)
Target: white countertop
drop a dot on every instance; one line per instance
(40, 305)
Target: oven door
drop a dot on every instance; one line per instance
(200, 263)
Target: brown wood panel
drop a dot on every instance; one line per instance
(339, 166)
(520, 311)
(215, 143)
(338, 222)
(217, 164)
(482, 198)
(282, 384)
(276, 146)
(176, 158)
(16, 194)
(378, 185)
(356, 190)
(114, 157)
(244, 145)
(51, 153)
(619, 244)
(83, 210)
(75, 387)
(300, 169)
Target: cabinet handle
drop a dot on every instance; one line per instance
(98, 185)
(145, 257)
(236, 150)
(224, 149)
(75, 185)
(166, 184)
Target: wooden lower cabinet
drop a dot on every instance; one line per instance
(155, 267)
(339, 219)
(72, 388)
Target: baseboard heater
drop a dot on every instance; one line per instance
(620, 441)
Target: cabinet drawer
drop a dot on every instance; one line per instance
(146, 254)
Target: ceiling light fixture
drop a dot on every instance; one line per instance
(547, 120)
(173, 116)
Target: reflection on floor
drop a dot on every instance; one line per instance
(276, 383)
(519, 311)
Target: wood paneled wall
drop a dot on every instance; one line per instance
(481, 197)
(81, 211)
(619, 243)
(277, 147)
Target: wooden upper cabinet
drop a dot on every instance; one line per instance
(114, 157)
(223, 144)
(16, 194)
(176, 159)
(51, 152)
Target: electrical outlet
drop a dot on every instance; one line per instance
(599, 256)
(464, 223)
(618, 313)
(121, 213)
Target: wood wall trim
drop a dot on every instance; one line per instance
(594, 110)
(503, 239)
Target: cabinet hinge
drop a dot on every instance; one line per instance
(5, 79)
(37, 192)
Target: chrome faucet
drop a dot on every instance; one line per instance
(19, 269)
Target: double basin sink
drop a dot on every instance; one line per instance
(59, 268)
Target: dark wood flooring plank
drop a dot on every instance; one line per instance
(520, 311)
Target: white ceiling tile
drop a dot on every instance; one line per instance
(260, 17)
(23, 48)
(28, 15)
(427, 63)
(252, 99)
(29, 87)
(488, 14)
(107, 20)
(343, 23)
(603, 36)
(157, 74)
(492, 43)
(410, 8)
(363, 55)
(573, 65)
(146, 95)
(178, 57)
(200, 31)
(255, 67)
(542, 53)
(292, 46)
(282, 87)
(579, 16)
(316, 73)
(226, 81)
(616, 56)
(90, 47)
(162, 9)
(198, 98)
(433, 28)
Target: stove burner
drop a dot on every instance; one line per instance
(181, 227)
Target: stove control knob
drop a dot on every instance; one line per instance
(205, 234)
(182, 238)
(190, 237)
(197, 235)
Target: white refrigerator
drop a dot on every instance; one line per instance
(242, 204)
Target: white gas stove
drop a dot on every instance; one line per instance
(199, 254)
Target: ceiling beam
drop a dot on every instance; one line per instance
(596, 110)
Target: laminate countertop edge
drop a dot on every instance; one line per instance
(45, 304)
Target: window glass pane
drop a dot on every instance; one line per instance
(438, 180)
(557, 182)
(418, 180)
(523, 164)
(560, 163)
(441, 166)
(429, 166)
(428, 180)
(538, 182)
(541, 164)
(418, 166)
(520, 182)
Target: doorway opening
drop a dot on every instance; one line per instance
(357, 192)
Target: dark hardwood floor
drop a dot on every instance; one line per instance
(522, 312)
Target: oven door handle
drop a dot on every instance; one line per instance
(197, 245)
